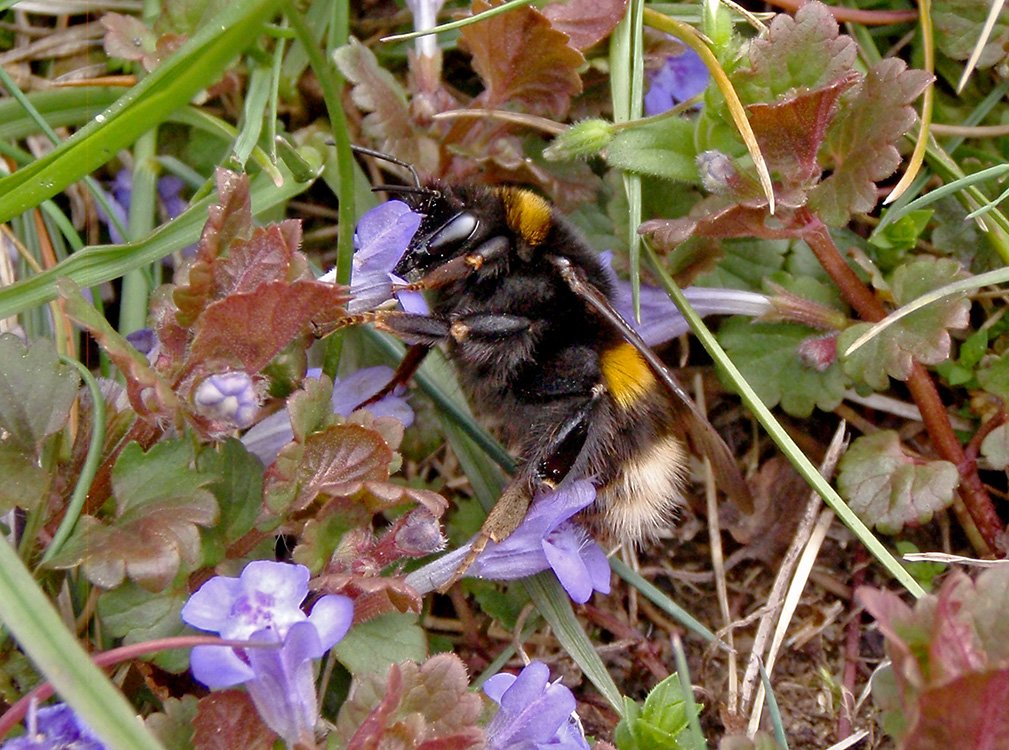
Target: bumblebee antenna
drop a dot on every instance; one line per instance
(417, 187)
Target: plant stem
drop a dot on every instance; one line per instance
(923, 390)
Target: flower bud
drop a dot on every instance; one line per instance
(580, 141)
(228, 397)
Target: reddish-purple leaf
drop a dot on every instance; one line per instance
(228, 220)
(266, 256)
(421, 706)
(968, 713)
(861, 144)
(792, 128)
(226, 720)
(388, 121)
(586, 22)
(249, 329)
(523, 60)
(331, 460)
(127, 38)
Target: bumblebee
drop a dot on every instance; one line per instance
(525, 310)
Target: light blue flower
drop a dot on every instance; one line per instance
(54, 727)
(661, 320)
(263, 605)
(680, 78)
(546, 540)
(534, 713)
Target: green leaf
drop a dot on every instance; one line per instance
(994, 376)
(804, 52)
(746, 264)
(889, 488)
(658, 723)
(662, 149)
(995, 447)
(768, 356)
(923, 336)
(173, 726)
(160, 501)
(238, 487)
(36, 391)
(24, 482)
(135, 615)
(958, 25)
(897, 237)
(371, 647)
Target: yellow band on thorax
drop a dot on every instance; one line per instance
(527, 214)
(626, 373)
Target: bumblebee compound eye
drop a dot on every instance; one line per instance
(446, 241)
(453, 234)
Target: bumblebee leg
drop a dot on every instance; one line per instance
(461, 266)
(543, 471)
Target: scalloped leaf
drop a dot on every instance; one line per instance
(387, 121)
(586, 22)
(173, 726)
(332, 459)
(791, 129)
(249, 329)
(889, 488)
(802, 52)
(950, 662)
(861, 143)
(36, 391)
(161, 501)
(228, 221)
(426, 705)
(372, 647)
(268, 255)
(958, 25)
(995, 447)
(238, 486)
(523, 60)
(768, 356)
(150, 394)
(134, 615)
(227, 719)
(923, 336)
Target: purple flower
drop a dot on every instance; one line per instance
(264, 605)
(661, 320)
(382, 236)
(143, 340)
(534, 713)
(54, 727)
(228, 397)
(267, 437)
(546, 539)
(680, 78)
(169, 190)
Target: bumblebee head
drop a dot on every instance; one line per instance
(442, 235)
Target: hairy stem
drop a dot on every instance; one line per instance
(923, 390)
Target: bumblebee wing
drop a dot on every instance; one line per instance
(701, 436)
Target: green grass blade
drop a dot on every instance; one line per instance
(196, 65)
(30, 617)
(100, 263)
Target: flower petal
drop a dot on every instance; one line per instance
(332, 617)
(562, 550)
(209, 606)
(218, 666)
